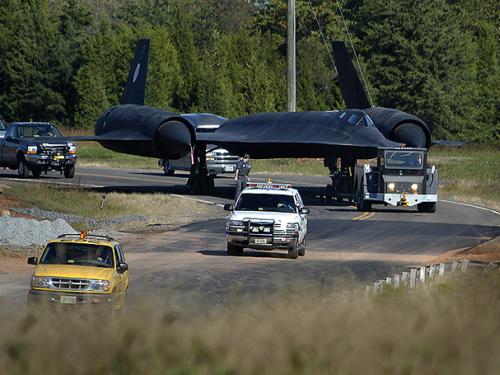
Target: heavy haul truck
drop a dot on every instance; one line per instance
(397, 177)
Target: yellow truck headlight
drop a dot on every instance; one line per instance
(40, 282)
(100, 285)
(414, 188)
(391, 186)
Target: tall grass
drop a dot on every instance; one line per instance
(452, 328)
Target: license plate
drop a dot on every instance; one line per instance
(68, 299)
(229, 169)
(260, 240)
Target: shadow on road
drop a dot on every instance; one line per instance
(246, 253)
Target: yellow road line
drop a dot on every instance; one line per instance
(364, 216)
(361, 216)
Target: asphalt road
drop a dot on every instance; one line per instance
(190, 263)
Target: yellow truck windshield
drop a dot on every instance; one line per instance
(78, 254)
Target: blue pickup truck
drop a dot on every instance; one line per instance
(32, 147)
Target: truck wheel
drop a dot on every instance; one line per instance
(293, 253)
(429, 207)
(167, 170)
(36, 172)
(302, 248)
(69, 172)
(234, 250)
(22, 169)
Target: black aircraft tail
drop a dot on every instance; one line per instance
(352, 90)
(135, 88)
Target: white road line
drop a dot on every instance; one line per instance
(471, 205)
(197, 200)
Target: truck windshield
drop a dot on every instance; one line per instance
(78, 254)
(44, 130)
(404, 159)
(266, 202)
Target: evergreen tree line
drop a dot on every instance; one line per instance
(67, 60)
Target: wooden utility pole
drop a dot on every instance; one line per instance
(291, 58)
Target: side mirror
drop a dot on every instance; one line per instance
(122, 267)
(305, 211)
(33, 261)
(228, 207)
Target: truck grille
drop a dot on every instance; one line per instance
(256, 228)
(70, 284)
(54, 150)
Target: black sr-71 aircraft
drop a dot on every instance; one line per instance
(355, 133)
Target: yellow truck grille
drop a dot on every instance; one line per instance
(70, 284)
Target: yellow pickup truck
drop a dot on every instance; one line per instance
(80, 269)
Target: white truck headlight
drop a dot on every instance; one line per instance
(100, 285)
(235, 223)
(32, 150)
(391, 186)
(414, 188)
(294, 227)
(40, 282)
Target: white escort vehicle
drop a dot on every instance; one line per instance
(267, 216)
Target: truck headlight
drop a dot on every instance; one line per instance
(100, 285)
(235, 223)
(391, 186)
(72, 148)
(292, 227)
(414, 188)
(40, 282)
(32, 150)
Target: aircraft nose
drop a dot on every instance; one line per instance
(173, 139)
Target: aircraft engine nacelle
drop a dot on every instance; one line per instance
(174, 139)
(401, 127)
(145, 131)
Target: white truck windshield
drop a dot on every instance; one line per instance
(266, 202)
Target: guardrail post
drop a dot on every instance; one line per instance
(376, 289)
(432, 271)
(368, 290)
(464, 265)
(388, 280)
(413, 278)
(397, 280)
(404, 279)
(381, 285)
(454, 266)
(423, 271)
(442, 268)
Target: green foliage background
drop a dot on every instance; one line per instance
(67, 60)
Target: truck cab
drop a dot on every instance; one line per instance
(397, 177)
(267, 217)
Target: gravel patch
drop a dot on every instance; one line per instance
(89, 221)
(22, 232)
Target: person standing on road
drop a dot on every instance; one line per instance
(242, 171)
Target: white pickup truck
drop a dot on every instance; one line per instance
(267, 217)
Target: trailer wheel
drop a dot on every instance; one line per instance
(429, 207)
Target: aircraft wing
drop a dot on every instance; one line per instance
(300, 134)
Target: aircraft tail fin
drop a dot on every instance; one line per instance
(135, 88)
(350, 85)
